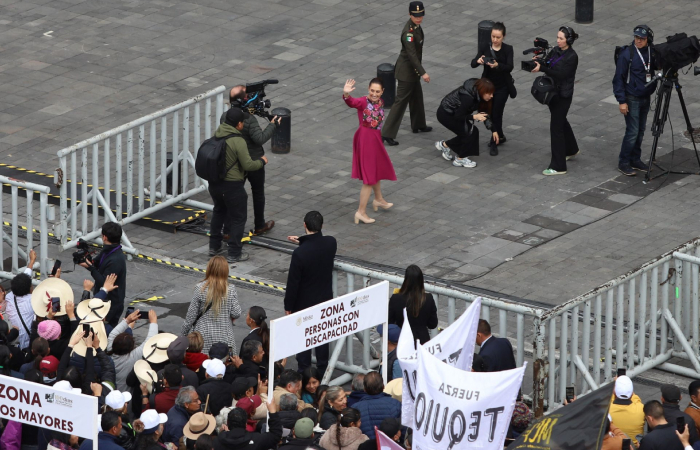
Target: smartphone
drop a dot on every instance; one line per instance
(621, 371)
(86, 329)
(680, 424)
(230, 352)
(129, 310)
(570, 393)
(56, 304)
(56, 266)
(143, 315)
(626, 444)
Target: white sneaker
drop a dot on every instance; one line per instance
(439, 146)
(446, 152)
(463, 162)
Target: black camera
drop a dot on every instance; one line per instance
(489, 60)
(487, 123)
(540, 50)
(696, 71)
(83, 254)
(528, 66)
(255, 102)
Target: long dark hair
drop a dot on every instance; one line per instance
(306, 376)
(40, 349)
(5, 360)
(346, 417)
(4, 331)
(257, 315)
(413, 289)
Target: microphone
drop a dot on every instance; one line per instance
(271, 81)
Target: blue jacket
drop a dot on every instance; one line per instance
(497, 353)
(637, 76)
(375, 408)
(354, 397)
(105, 441)
(177, 419)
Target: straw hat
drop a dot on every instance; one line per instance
(51, 287)
(198, 425)
(99, 329)
(155, 349)
(93, 310)
(145, 374)
(394, 388)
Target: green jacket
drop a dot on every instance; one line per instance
(408, 65)
(254, 136)
(237, 156)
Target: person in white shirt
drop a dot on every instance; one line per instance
(19, 302)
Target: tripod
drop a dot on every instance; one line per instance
(663, 100)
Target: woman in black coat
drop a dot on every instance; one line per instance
(420, 306)
(499, 74)
(457, 113)
(561, 66)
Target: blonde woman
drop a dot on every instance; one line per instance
(214, 307)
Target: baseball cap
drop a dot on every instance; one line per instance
(416, 9)
(151, 419)
(249, 404)
(117, 400)
(624, 387)
(177, 348)
(671, 393)
(640, 31)
(218, 350)
(234, 116)
(242, 384)
(394, 332)
(214, 367)
(304, 428)
(65, 386)
(48, 365)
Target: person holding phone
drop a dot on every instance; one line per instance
(497, 59)
(561, 66)
(662, 433)
(627, 409)
(670, 400)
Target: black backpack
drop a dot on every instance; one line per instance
(618, 52)
(544, 89)
(211, 159)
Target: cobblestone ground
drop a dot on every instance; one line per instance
(71, 69)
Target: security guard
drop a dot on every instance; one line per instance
(408, 72)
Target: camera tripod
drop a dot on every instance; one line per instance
(663, 100)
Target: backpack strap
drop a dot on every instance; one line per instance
(629, 66)
(226, 138)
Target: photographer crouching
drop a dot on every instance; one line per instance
(561, 64)
(254, 137)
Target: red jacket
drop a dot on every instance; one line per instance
(194, 361)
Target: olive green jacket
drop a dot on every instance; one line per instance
(408, 66)
(237, 156)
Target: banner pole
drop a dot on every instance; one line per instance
(271, 369)
(385, 349)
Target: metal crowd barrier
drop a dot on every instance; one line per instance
(174, 129)
(30, 190)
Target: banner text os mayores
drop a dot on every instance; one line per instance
(332, 327)
(32, 399)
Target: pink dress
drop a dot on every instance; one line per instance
(370, 160)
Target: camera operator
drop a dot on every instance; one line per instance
(561, 65)
(634, 69)
(457, 113)
(109, 261)
(254, 137)
(498, 72)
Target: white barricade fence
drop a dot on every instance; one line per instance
(46, 407)
(30, 208)
(329, 321)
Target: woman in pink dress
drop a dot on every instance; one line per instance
(370, 161)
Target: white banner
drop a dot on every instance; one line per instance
(454, 346)
(329, 321)
(46, 407)
(457, 409)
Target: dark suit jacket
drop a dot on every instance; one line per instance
(310, 279)
(497, 353)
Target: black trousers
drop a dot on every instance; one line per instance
(498, 105)
(257, 186)
(322, 354)
(230, 208)
(464, 143)
(563, 140)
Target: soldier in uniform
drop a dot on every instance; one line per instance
(408, 72)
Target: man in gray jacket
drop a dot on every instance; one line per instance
(254, 137)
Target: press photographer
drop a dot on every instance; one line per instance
(636, 63)
(254, 103)
(109, 261)
(560, 67)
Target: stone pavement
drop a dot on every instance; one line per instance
(71, 69)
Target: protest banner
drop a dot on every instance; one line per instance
(46, 407)
(457, 409)
(454, 346)
(329, 321)
(384, 442)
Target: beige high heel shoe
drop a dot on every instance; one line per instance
(376, 205)
(359, 218)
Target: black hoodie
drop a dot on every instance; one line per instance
(240, 439)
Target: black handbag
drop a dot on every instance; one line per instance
(544, 89)
(512, 92)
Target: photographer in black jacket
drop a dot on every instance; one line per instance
(561, 65)
(254, 137)
(499, 74)
(109, 261)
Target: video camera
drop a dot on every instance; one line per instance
(540, 50)
(83, 254)
(255, 102)
(677, 52)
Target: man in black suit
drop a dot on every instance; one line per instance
(497, 353)
(661, 435)
(310, 279)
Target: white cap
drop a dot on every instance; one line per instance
(116, 399)
(65, 386)
(214, 367)
(152, 419)
(623, 387)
